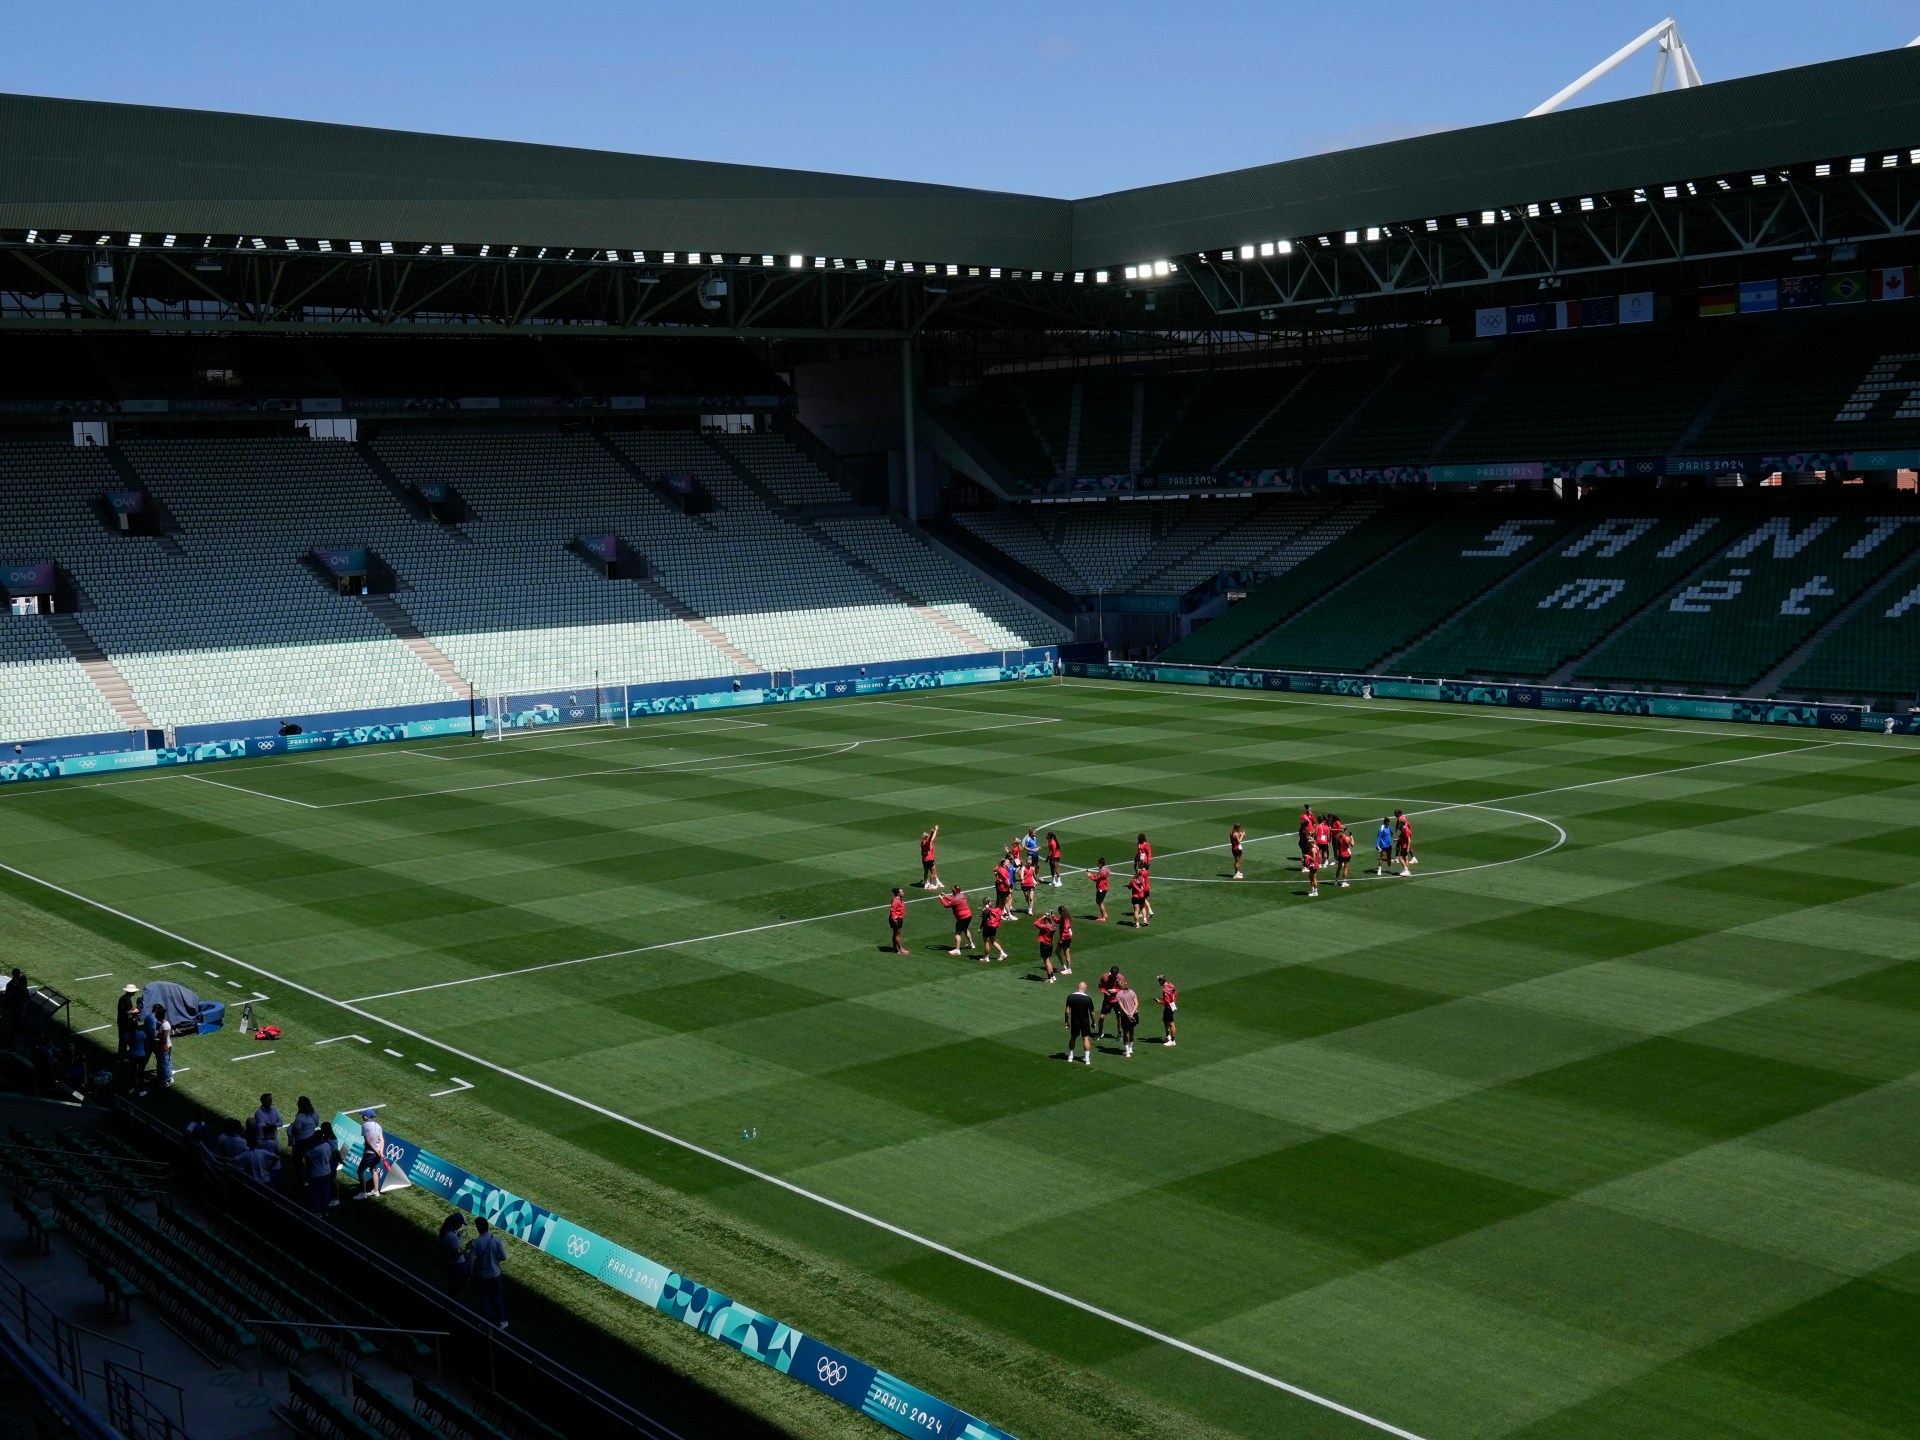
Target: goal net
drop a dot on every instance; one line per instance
(582, 708)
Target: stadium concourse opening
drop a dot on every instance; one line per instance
(1547, 485)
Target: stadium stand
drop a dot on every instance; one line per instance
(1405, 418)
(1874, 653)
(1306, 416)
(1219, 415)
(42, 690)
(779, 465)
(1845, 382)
(1380, 612)
(1319, 559)
(1770, 591)
(1572, 598)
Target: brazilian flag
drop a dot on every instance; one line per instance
(1849, 287)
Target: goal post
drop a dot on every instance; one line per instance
(580, 707)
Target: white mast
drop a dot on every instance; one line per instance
(1673, 53)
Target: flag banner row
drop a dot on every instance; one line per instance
(1805, 292)
(1592, 313)
(902, 1408)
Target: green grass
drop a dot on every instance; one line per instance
(1610, 1135)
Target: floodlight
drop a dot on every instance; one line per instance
(1373, 232)
(1857, 165)
(1822, 170)
(386, 247)
(1913, 157)
(819, 262)
(953, 270)
(1246, 251)
(1161, 267)
(1284, 247)
(861, 265)
(542, 253)
(1486, 217)
(993, 273)
(888, 265)
(354, 247)
(1266, 249)
(65, 236)
(1554, 206)
(1353, 237)
(1132, 272)
(108, 240)
(1224, 255)
(796, 262)
(1432, 226)
(258, 243)
(668, 256)
(1461, 222)
(1079, 277)
(1670, 192)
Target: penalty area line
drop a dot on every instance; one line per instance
(985, 1266)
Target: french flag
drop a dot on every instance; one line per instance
(1563, 315)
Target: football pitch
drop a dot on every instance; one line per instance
(1605, 1123)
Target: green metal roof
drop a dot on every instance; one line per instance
(84, 165)
(1860, 106)
(77, 164)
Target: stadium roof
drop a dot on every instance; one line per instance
(82, 164)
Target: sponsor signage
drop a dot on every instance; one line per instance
(903, 1408)
(127, 502)
(1476, 474)
(32, 578)
(434, 492)
(343, 559)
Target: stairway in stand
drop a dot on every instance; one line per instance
(105, 676)
(388, 612)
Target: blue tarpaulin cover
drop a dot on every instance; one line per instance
(189, 1014)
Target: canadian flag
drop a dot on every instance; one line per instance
(1893, 283)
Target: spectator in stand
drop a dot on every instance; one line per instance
(260, 1165)
(126, 1015)
(162, 1044)
(486, 1255)
(232, 1143)
(306, 1124)
(322, 1159)
(76, 1075)
(17, 989)
(373, 1156)
(454, 1254)
(139, 1051)
(46, 1065)
(266, 1125)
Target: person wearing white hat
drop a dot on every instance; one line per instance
(127, 1018)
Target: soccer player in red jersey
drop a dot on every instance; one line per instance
(1237, 842)
(1342, 852)
(1066, 941)
(1146, 891)
(897, 918)
(1102, 877)
(1003, 884)
(929, 871)
(1111, 984)
(1323, 835)
(1402, 841)
(990, 932)
(962, 919)
(1053, 859)
(1142, 851)
(1027, 881)
(1137, 892)
(1043, 931)
(1169, 1005)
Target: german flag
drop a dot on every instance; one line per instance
(1721, 300)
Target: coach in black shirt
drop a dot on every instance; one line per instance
(1079, 1023)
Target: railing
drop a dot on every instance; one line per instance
(67, 1344)
(132, 1412)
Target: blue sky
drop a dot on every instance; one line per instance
(1050, 97)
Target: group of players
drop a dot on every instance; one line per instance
(1325, 843)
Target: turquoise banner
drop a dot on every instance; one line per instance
(1523, 697)
(903, 1408)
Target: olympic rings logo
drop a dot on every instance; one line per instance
(831, 1372)
(578, 1245)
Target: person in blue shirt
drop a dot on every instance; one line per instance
(1383, 842)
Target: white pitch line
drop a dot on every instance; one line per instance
(254, 1056)
(395, 1053)
(729, 1162)
(93, 1028)
(458, 1086)
(361, 1038)
(171, 963)
(103, 975)
(422, 1065)
(243, 790)
(1754, 729)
